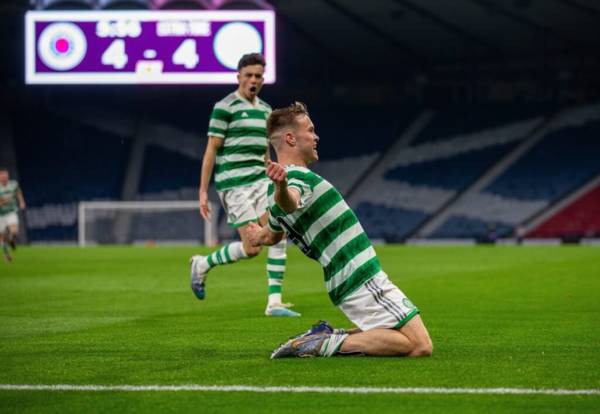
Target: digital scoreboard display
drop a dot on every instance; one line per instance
(152, 47)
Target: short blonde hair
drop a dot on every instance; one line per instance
(283, 117)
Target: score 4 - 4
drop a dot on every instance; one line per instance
(111, 47)
(185, 55)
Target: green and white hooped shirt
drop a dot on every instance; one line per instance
(9, 190)
(326, 229)
(243, 127)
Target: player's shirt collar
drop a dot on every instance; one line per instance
(241, 97)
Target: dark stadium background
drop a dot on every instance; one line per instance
(471, 119)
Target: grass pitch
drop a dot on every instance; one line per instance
(519, 317)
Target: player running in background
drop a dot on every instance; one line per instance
(238, 146)
(11, 200)
(315, 217)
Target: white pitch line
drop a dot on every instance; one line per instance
(301, 389)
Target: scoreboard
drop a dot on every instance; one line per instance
(145, 47)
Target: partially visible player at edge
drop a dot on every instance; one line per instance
(238, 145)
(11, 200)
(315, 216)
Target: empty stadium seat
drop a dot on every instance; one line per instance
(472, 118)
(62, 162)
(165, 170)
(463, 227)
(390, 224)
(557, 165)
(452, 173)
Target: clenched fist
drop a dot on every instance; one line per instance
(276, 172)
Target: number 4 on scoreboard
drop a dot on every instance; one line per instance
(186, 54)
(115, 54)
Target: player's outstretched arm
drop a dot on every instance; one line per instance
(21, 199)
(287, 200)
(261, 236)
(208, 164)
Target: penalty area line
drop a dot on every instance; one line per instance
(299, 389)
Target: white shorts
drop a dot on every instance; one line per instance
(10, 219)
(245, 204)
(378, 304)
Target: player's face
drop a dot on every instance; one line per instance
(250, 80)
(3, 177)
(307, 139)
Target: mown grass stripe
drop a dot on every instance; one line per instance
(298, 389)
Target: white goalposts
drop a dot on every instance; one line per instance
(145, 222)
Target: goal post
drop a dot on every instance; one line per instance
(145, 222)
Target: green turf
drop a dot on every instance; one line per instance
(499, 317)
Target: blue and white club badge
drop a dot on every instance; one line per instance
(62, 46)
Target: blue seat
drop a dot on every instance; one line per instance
(450, 122)
(453, 173)
(390, 224)
(464, 227)
(557, 165)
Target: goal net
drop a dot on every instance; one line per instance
(144, 222)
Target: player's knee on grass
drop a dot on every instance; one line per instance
(422, 348)
(415, 347)
(419, 338)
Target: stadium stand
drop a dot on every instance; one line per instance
(463, 227)
(352, 139)
(70, 162)
(342, 164)
(580, 218)
(413, 183)
(61, 162)
(469, 119)
(451, 173)
(178, 226)
(423, 177)
(388, 223)
(353, 131)
(474, 209)
(165, 170)
(561, 162)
